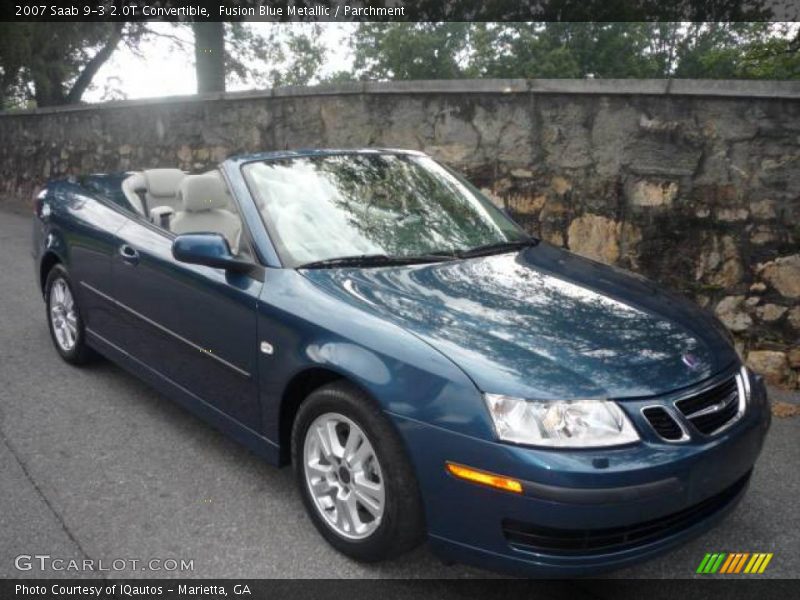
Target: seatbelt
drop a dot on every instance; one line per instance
(142, 193)
(161, 216)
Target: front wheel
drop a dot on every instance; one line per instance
(64, 318)
(355, 479)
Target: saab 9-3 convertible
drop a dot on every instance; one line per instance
(431, 371)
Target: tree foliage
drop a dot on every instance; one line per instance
(54, 63)
(739, 50)
(410, 51)
(274, 55)
(49, 64)
(562, 49)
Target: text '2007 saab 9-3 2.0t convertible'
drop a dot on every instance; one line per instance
(430, 370)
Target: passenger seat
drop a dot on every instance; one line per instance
(162, 187)
(152, 188)
(203, 204)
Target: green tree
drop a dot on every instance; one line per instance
(50, 64)
(738, 51)
(579, 49)
(274, 55)
(54, 63)
(263, 54)
(775, 58)
(410, 50)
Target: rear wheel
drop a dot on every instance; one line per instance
(356, 482)
(64, 318)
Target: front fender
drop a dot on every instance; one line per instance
(308, 329)
(55, 243)
(49, 247)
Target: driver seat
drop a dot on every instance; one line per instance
(202, 207)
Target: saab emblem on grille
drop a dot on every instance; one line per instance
(691, 361)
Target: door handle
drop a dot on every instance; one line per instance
(129, 255)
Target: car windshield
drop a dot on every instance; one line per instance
(372, 205)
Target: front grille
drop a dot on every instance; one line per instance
(532, 538)
(711, 410)
(663, 423)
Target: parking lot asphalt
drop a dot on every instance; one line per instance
(96, 465)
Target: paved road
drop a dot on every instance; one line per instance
(94, 464)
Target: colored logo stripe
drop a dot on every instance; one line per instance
(741, 562)
(727, 564)
(734, 562)
(711, 563)
(758, 563)
(703, 563)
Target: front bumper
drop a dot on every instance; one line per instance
(684, 488)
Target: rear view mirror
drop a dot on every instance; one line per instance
(210, 249)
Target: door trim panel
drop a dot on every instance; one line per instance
(166, 330)
(239, 431)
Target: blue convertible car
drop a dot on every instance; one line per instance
(429, 369)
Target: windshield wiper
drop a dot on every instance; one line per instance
(498, 247)
(373, 260)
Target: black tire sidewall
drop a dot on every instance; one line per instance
(79, 353)
(402, 524)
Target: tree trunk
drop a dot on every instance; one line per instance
(48, 90)
(48, 70)
(209, 56)
(93, 66)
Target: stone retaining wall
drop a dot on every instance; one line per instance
(695, 184)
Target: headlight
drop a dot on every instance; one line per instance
(560, 423)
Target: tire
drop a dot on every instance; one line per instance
(400, 524)
(72, 349)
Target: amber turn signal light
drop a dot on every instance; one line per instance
(492, 480)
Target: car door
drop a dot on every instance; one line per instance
(193, 325)
(89, 226)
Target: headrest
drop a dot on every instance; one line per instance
(202, 192)
(135, 181)
(163, 182)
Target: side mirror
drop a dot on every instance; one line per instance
(210, 249)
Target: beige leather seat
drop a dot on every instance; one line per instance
(203, 208)
(160, 187)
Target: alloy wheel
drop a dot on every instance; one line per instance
(343, 476)
(63, 315)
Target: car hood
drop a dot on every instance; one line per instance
(544, 323)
